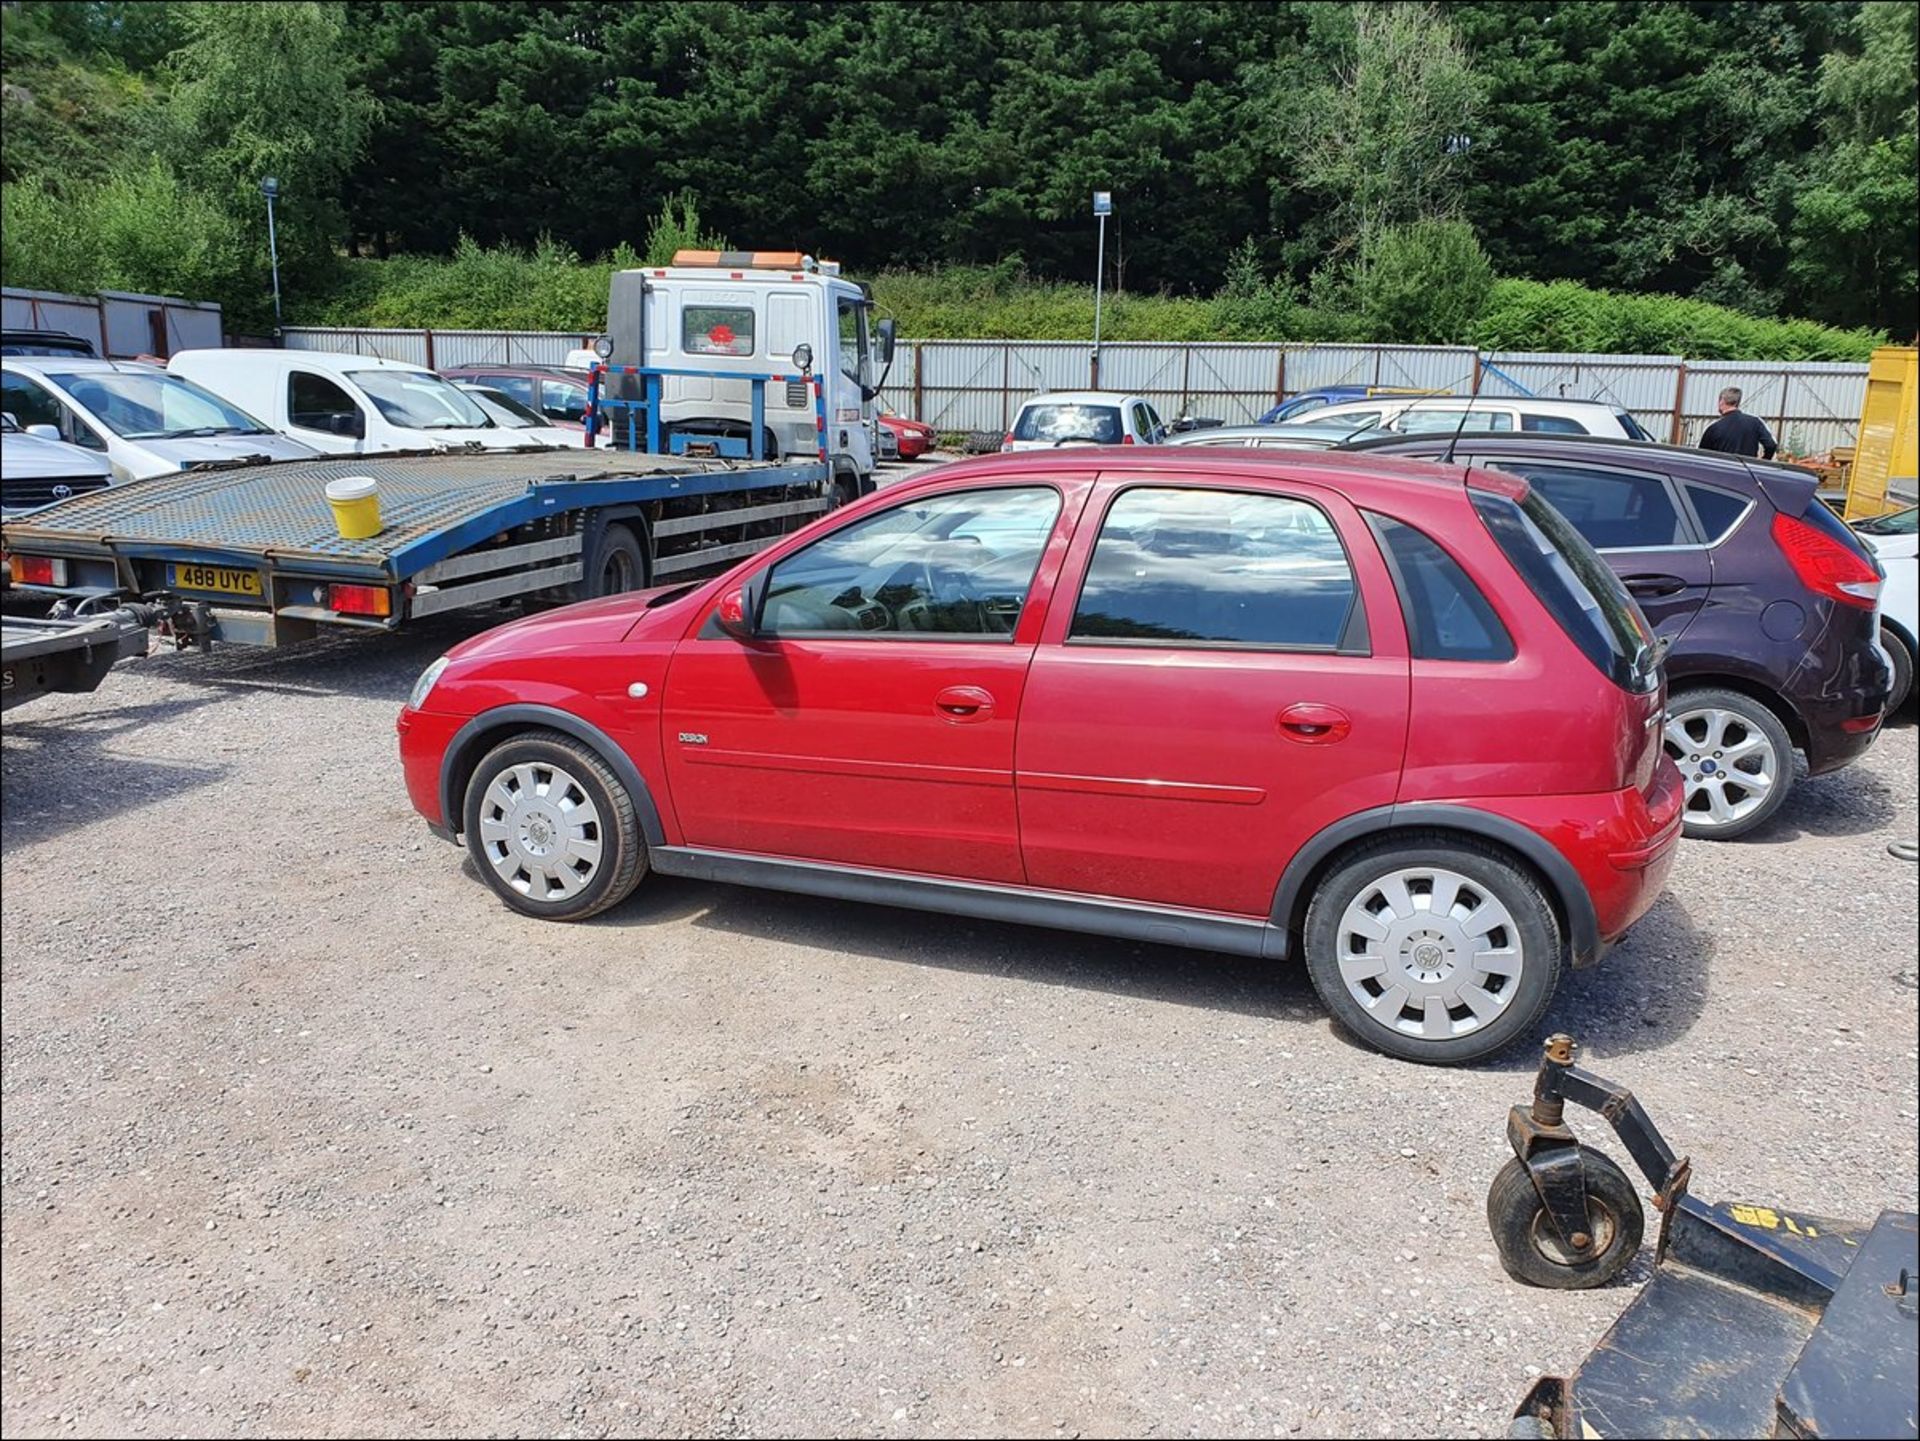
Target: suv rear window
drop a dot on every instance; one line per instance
(1577, 587)
(1053, 423)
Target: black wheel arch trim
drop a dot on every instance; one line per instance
(1576, 905)
(464, 750)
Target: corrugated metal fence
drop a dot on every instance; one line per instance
(967, 385)
(117, 322)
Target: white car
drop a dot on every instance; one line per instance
(142, 420)
(1418, 414)
(526, 422)
(348, 404)
(1084, 417)
(1894, 541)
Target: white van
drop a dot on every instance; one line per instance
(347, 404)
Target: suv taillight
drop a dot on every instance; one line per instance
(1006, 442)
(1824, 565)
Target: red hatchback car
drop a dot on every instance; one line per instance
(1395, 719)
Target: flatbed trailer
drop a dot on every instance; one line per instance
(252, 555)
(72, 654)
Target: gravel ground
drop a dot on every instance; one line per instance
(305, 1134)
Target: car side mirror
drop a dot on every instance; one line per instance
(44, 431)
(736, 613)
(353, 424)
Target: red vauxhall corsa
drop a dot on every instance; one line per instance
(1394, 719)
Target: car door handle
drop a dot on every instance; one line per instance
(964, 703)
(1655, 585)
(1315, 725)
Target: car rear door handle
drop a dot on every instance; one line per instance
(964, 703)
(1655, 585)
(1314, 724)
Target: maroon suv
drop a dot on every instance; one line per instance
(1765, 598)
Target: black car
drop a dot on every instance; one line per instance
(43, 342)
(1767, 601)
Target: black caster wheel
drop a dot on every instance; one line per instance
(1533, 1252)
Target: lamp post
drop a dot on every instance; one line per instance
(1102, 208)
(270, 187)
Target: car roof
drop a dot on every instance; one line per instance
(1358, 477)
(1617, 447)
(1081, 397)
(76, 365)
(1283, 434)
(334, 361)
(1544, 404)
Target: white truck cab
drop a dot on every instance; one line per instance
(754, 312)
(347, 404)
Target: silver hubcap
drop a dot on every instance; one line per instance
(1728, 763)
(540, 831)
(1430, 953)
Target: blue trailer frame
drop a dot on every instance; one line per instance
(680, 442)
(251, 554)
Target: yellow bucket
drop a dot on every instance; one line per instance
(356, 506)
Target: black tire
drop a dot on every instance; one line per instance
(1690, 708)
(1902, 657)
(622, 850)
(1492, 873)
(618, 564)
(846, 489)
(1532, 1250)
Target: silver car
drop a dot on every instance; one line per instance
(1303, 435)
(37, 470)
(143, 420)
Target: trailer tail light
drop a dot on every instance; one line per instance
(1826, 566)
(360, 599)
(36, 570)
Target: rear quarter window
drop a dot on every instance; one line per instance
(1718, 511)
(1448, 617)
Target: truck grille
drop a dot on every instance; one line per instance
(20, 494)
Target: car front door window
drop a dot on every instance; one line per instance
(958, 564)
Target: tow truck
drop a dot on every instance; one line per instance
(692, 464)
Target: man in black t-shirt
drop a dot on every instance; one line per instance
(1736, 432)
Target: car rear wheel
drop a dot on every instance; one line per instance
(1441, 951)
(1902, 658)
(551, 828)
(1735, 757)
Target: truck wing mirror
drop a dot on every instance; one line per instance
(884, 341)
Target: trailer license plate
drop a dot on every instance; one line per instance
(222, 580)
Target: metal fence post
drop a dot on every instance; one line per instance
(919, 394)
(430, 364)
(1780, 429)
(1280, 377)
(1476, 372)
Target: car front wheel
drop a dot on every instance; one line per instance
(552, 829)
(1441, 951)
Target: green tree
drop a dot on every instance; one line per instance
(1422, 284)
(259, 90)
(1375, 118)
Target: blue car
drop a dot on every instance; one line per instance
(1295, 406)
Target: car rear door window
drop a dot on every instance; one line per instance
(1613, 509)
(1448, 616)
(520, 387)
(1718, 511)
(954, 565)
(1217, 568)
(1421, 420)
(1552, 424)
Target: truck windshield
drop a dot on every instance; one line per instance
(419, 400)
(153, 405)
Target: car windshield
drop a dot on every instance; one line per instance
(420, 400)
(1900, 522)
(504, 410)
(1634, 429)
(153, 405)
(1053, 423)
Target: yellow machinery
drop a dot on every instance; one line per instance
(1885, 450)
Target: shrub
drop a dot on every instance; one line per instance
(1422, 284)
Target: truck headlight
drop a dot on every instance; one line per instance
(424, 686)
